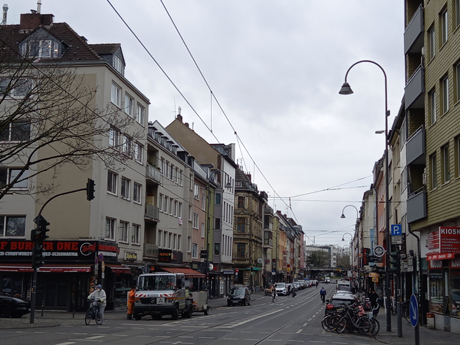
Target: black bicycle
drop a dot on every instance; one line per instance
(93, 313)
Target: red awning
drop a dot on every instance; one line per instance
(119, 268)
(188, 272)
(56, 268)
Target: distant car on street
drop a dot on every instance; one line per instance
(281, 289)
(327, 280)
(239, 295)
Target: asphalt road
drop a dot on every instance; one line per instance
(290, 320)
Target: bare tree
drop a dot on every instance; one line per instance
(49, 118)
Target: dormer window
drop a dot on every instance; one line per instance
(46, 48)
(118, 65)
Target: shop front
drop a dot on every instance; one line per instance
(71, 271)
(444, 277)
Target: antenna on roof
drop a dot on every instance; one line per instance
(39, 6)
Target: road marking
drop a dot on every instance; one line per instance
(248, 320)
(300, 330)
(305, 324)
(68, 343)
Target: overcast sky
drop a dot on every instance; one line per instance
(275, 67)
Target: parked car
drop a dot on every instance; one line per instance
(13, 306)
(239, 295)
(327, 280)
(281, 289)
(338, 300)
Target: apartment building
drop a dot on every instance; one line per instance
(88, 241)
(432, 94)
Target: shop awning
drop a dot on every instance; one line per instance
(49, 268)
(119, 268)
(188, 272)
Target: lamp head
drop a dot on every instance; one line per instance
(343, 239)
(346, 89)
(342, 216)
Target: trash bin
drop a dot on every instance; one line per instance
(430, 320)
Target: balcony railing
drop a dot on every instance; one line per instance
(413, 36)
(414, 91)
(150, 250)
(416, 206)
(152, 212)
(153, 173)
(415, 147)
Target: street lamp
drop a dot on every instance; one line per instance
(346, 90)
(351, 248)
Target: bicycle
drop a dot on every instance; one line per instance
(405, 311)
(352, 321)
(92, 313)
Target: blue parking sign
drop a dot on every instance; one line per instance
(396, 230)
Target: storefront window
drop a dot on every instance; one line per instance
(455, 292)
(436, 292)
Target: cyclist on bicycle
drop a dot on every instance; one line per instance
(322, 294)
(99, 296)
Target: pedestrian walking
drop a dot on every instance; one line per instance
(100, 297)
(316, 284)
(373, 297)
(131, 297)
(273, 293)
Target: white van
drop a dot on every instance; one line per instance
(343, 285)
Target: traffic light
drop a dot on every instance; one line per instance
(37, 236)
(395, 262)
(90, 189)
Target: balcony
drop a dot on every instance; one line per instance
(415, 89)
(152, 212)
(150, 250)
(416, 206)
(413, 36)
(153, 174)
(415, 148)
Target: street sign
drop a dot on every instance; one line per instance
(396, 239)
(413, 310)
(396, 230)
(379, 251)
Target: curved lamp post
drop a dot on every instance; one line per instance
(357, 237)
(346, 90)
(350, 246)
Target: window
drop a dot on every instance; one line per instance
(179, 237)
(457, 156)
(140, 114)
(45, 48)
(457, 12)
(12, 226)
(129, 105)
(115, 95)
(202, 230)
(165, 239)
(241, 202)
(160, 232)
(126, 145)
(240, 224)
(136, 233)
(196, 191)
(433, 171)
(179, 210)
(163, 164)
(189, 244)
(217, 223)
(137, 192)
(8, 175)
(171, 202)
(240, 250)
(16, 131)
(174, 242)
(445, 94)
(190, 177)
(110, 229)
(123, 232)
(445, 163)
(431, 43)
(118, 65)
(112, 182)
(138, 152)
(170, 241)
(190, 213)
(171, 172)
(125, 188)
(195, 251)
(432, 106)
(216, 248)
(196, 220)
(218, 198)
(160, 202)
(180, 177)
(457, 81)
(203, 201)
(444, 26)
(165, 209)
(114, 137)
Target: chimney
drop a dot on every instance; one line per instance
(179, 117)
(39, 6)
(34, 20)
(5, 12)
